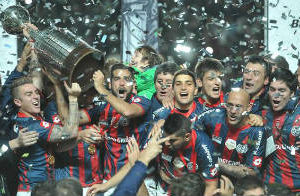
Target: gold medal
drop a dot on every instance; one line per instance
(92, 149)
(51, 160)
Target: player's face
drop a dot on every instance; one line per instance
(254, 78)
(212, 84)
(121, 83)
(175, 142)
(279, 94)
(184, 91)
(29, 99)
(236, 107)
(163, 85)
(254, 192)
(137, 61)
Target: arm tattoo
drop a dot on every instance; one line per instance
(70, 129)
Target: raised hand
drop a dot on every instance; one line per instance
(98, 78)
(74, 91)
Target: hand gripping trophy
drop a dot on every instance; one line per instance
(64, 55)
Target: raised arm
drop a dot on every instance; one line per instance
(126, 109)
(62, 106)
(70, 129)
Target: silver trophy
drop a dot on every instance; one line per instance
(60, 51)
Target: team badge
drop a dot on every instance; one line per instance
(45, 124)
(230, 144)
(242, 148)
(55, 119)
(257, 161)
(178, 163)
(295, 131)
(137, 100)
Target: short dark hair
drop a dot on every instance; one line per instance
(46, 188)
(121, 66)
(247, 183)
(17, 83)
(286, 76)
(208, 64)
(188, 185)
(278, 60)
(166, 68)
(184, 72)
(277, 189)
(255, 59)
(68, 186)
(149, 54)
(177, 124)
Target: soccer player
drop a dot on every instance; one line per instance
(255, 81)
(239, 146)
(185, 89)
(210, 75)
(283, 122)
(186, 151)
(119, 117)
(37, 161)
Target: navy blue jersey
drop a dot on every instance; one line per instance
(197, 156)
(284, 164)
(192, 113)
(35, 164)
(235, 146)
(119, 131)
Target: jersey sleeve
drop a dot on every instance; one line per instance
(257, 146)
(205, 159)
(142, 102)
(44, 129)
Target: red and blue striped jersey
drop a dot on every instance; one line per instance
(192, 113)
(35, 163)
(196, 156)
(77, 162)
(283, 164)
(235, 146)
(84, 165)
(119, 131)
(207, 106)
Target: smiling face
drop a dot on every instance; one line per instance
(28, 99)
(163, 85)
(184, 91)
(254, 78)
(211, 85)
(121, 83)
(279, 95)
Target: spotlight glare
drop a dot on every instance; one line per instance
(182, 48)
(28, 2)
